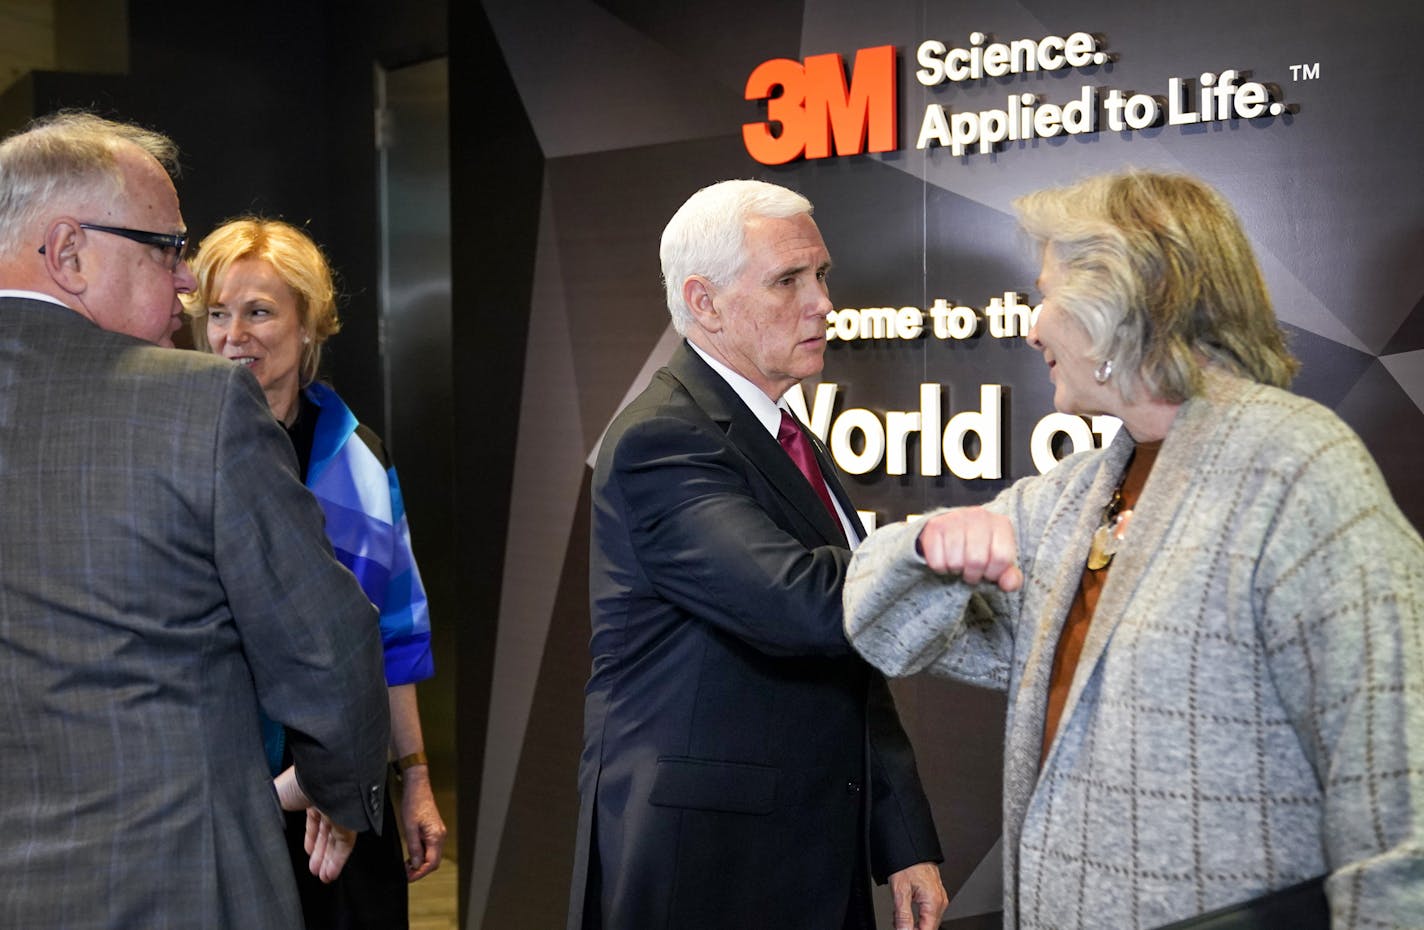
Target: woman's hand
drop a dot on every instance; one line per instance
(974, 544)
(327, 843)
(421, 823)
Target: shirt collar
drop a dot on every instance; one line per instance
(33, 295)
(764, 408)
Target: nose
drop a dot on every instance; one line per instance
(1032, 337)
(183, 280)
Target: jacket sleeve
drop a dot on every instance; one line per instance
(309, 633)
(904, 618)
(709, 546)
(1339, 602)
(902, 831)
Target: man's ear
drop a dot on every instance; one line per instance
(697, 295)
(64, 241)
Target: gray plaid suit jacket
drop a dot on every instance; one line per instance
(162, 570)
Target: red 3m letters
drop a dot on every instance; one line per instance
(815, 105)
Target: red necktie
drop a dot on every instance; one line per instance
(799, 448)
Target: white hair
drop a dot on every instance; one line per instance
(706, 235)
(63, 161)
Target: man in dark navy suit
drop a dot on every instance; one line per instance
(742, 767)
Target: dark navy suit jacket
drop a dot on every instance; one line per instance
(742, 766)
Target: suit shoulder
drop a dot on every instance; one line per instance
(664, 391)
(190, 367)
(176, 362)
(664, 397)
(191, 386)
(665, 413)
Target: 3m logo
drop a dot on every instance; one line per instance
(814, 105)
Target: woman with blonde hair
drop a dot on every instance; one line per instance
(1209, 631)
(266, 300)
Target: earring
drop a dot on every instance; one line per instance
(306, 340)
(1103, 372)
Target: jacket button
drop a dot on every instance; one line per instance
(852, 787)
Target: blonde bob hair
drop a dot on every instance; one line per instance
(298, 261)
(1158, 272)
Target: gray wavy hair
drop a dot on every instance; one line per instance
(1160, 275)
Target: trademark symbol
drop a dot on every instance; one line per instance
(1305, 72)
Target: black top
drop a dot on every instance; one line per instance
(302, 433)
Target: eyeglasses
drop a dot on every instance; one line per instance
(174, 247)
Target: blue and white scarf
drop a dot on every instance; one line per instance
(366, 523)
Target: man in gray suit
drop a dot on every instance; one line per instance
(162, 573)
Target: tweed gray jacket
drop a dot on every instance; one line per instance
(162, 574)
(1248, 710)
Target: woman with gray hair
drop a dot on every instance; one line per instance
(1209, 631)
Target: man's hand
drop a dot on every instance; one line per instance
(421, 823)
(290, 794)
(974, 544)
(328, 844)
(918, 888)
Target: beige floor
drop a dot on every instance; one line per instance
(433, 904)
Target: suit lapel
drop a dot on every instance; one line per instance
(716, 397)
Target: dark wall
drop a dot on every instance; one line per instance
(272, 106)
(496, 177)
(634, 105)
